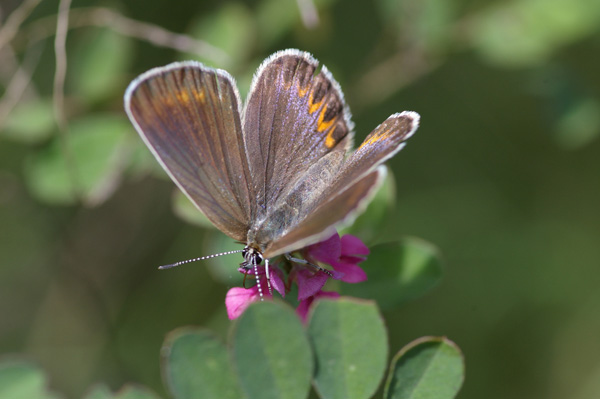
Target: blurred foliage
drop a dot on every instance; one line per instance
(428, 367)
(20, 380)
(399, 271)
(270, 354)
(502, 176)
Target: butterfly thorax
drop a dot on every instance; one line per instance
(295, 202)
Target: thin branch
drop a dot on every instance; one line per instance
(60, 51)
(14, 21)
(58, 95)
(103, 17)
(159, 36)
(18, 84)
(308, 13)
(391, 75)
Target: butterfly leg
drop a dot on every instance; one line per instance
(244, 280)
(305, 262)
(268, 277)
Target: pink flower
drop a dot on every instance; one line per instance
(238, 299)
(343, 254)
(305, 305)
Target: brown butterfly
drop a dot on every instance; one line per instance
(276, 173)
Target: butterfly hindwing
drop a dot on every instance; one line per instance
(342, 199)
(189, 117)
(320, 223)
(381, 144)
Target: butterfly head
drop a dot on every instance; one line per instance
(252, 257)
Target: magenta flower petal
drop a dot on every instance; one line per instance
(277, 280)
(304, 306)
(327, 251)
(309, 282)
(351, 259)
(238, 299)
(302, 309)
(352, 245)
(351, 273)
(337, 275)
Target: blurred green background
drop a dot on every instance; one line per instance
(503, 176)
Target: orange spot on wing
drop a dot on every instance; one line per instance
(313, 107)
(302, 91)
(183, 96)
(200, 96)
(375, 138)
(321, 125)
(329, 140)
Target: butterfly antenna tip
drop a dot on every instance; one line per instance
(183, 262)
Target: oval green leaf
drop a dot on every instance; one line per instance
(129, 391)
(398, 272)
(99, 391)
(187, 211)
(427, 368)
(350, 343)
(271, 352)
(134, 391)
(21, 380)
(222, 268)
(30, 122)
(231, 29)
(99, 64)
(88, 167)
(196, 365)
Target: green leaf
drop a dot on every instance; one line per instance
(30, 121)
(370, 224)
(99, 391)
(350, 343)
(99, 64)
(196, 365)
(187, 211)
(427, 22)
(132, 391)
(427, 368)
(129, 391)
(21, 380)
(271, 352)
(521, 33)
(275, 19)
(223, 268)
(579, 125)
(88, 167)
(398, 272)
(231, 29)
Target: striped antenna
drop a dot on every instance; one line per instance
(260, 293)
(183, 262)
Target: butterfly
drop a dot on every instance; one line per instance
(276, 173)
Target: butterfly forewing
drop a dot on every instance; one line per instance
(295, 114)
(189, 117)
